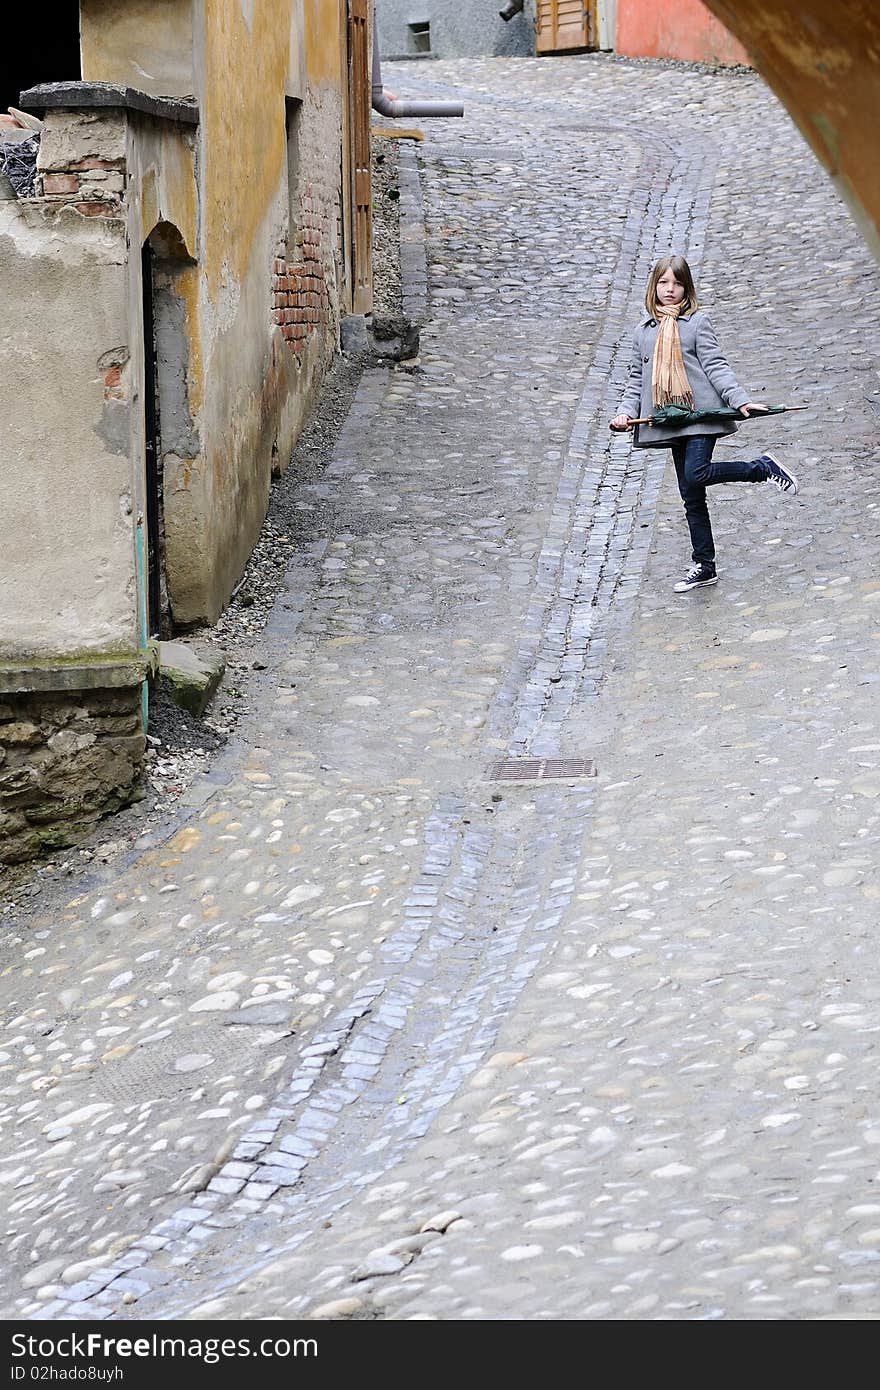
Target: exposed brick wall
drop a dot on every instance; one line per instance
(94, 187)
(65, 760)
(301, 299)
(309, 264)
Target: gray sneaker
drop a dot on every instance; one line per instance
(780, 477)
(697, 577)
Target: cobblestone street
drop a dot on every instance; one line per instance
(373, 1034)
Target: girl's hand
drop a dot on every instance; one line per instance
(751, 408)
(620, 422)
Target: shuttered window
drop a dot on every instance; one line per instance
(566, 25)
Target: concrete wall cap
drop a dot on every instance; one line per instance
(74, 95)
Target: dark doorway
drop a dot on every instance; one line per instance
(39, 49)
(158, 610)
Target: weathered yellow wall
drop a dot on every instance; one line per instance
(324, 41)
(247, 389)
(146, 44)
(823, 62)
(242, 131)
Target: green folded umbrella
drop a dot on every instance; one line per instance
(681, 415)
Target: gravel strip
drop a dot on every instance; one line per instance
(387, 295)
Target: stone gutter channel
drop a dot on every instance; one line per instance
(383, 1066)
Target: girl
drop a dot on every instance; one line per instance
(677, 361)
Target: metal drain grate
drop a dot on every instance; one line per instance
(149, 1073)
(540, 769)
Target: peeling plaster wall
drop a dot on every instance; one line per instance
(146, 44)
(313, 253)
(66, 579)
(234, 384)
(311, 265)
(73, 423)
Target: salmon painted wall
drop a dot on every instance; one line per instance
(675, 29)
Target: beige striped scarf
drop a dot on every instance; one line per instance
(669, 383)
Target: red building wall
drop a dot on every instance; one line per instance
(674, 29)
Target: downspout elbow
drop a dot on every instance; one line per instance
(380, 102)
(387, 106)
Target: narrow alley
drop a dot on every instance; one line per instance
(395, 1027)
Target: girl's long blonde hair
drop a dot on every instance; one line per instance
(682, 272)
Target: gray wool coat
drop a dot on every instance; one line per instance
(708, 371)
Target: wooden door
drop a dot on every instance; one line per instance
(359, 96)
(566, 26)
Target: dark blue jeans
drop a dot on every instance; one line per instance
(695, 470)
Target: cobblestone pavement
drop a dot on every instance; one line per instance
(373, 1035)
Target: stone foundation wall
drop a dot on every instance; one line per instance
(66, 759)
